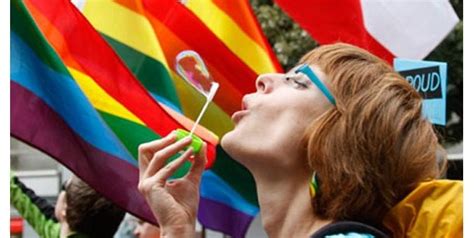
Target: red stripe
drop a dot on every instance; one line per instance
(228, 96)
(195, 34)
(101, 63)
(330, 21)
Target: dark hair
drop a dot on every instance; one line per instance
(89, 213)
(375, 145)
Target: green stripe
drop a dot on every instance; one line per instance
(151, 73)
(25, 27)
(236, 175)
(132, 135)
(129, 133)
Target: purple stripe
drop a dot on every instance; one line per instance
(35, 123)
(219, 217)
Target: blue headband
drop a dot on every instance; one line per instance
(311, 75)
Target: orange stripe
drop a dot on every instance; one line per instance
(241, 13)
(228, 97)
(100, 62)
(55, 38)
(238, 11)
(134, 5)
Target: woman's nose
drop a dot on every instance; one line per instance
(265, 83)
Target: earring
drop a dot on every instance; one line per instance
(313, 185)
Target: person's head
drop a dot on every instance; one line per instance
(368, 150)
(269, 128)
(88, 213)
(146, 230)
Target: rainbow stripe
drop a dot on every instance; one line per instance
(49, 111)
(121, 81)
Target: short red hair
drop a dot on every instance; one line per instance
(375, 145)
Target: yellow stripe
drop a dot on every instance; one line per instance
(125, 26)
(100, 99)
(230, 33)
(118, 22)
(215, 119)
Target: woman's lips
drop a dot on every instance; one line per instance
(237, 116)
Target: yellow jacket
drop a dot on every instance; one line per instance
(433, 209)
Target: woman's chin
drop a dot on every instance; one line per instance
(231, 144)
(226, 140)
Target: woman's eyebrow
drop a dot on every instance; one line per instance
(293, 69)
(299, 76)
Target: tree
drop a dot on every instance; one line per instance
(290, 42)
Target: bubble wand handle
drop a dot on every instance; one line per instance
(209, 98)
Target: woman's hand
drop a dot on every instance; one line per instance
(173, 203)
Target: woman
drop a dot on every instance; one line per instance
(341, 118)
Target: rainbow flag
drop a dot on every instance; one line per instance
(88, 88)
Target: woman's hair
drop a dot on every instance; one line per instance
(375, 145)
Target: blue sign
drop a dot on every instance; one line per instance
(429, 78)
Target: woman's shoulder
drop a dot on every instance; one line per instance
(348, 229)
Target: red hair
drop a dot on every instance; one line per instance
(375, 145)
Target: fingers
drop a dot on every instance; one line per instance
(198, 165)
(160, 157)
(163, 174)
(156, 145)
(147, 150)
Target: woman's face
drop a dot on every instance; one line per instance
(271, 123)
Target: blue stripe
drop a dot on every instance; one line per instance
(216, 189)
(64, 96)
(166, 102)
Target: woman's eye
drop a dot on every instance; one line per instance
(298, 83)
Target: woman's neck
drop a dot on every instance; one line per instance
(286, 205)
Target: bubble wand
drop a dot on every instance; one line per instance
(193, 70)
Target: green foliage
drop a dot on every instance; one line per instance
(290, 42)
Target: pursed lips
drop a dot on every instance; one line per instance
(237, 116)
